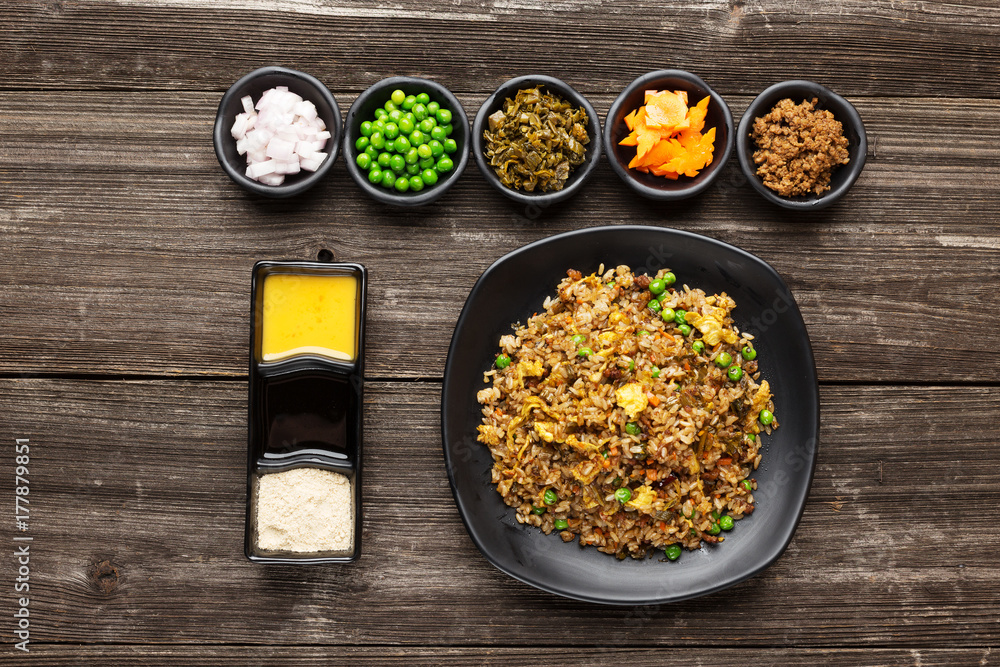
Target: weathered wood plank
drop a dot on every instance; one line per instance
(136, 257)
(47, 654)
(854, 46)
(896, 546)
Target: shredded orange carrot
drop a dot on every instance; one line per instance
(667, 135)
(654, 400)
(725, 460)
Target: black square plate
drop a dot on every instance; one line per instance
(514, 288)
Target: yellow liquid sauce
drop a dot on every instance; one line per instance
(308, 314)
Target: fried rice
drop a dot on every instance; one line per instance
(609, 423)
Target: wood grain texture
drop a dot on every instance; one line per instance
(136, 259)
(896, 545)
(740, 47)
(497, 656)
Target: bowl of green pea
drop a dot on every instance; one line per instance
(406, 141)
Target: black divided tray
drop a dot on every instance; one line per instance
(304, 411)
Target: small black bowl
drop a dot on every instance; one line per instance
(657, 187)
(254, 84)
(579, 175)
(798, 90)
(364, 109)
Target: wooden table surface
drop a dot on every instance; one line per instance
(124, 295)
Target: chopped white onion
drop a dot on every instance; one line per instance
(280, 135)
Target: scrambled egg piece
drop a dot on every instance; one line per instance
(607, 338)
(632, 398)
(530, 368)
(488, 435)
(711, 325)
(544, 431)
(642, 499)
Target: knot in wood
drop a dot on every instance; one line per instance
(104, 577)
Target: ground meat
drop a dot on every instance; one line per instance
(643, 281)
(799, 146)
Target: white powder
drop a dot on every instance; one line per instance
(305, 509)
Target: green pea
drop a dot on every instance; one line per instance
(726, 522)
(429, 176)
(432, 107)
(372, 152)
(390, 106)
(398, 97)
(685, 329)
(381, 113)
(363, 160)
(584, 352)
(391, 131)
(723, 360)
(375, 175)
(751, 437)
(714, 529)
(450, 146)
(377, 140)
(655, 306)
(668, 314)
(642, 332)
(658, 286)
(715, 515)
(673, 552)
(550, 497)
(424, 151)
(402, 144)
(417, 137)
(397, 164)
(443, 116)
(560, 524)
(623, 495)
(427, 163)
(384, 159)
(444, 165)
(388, 178)
(747, 485)
(502, 361)
(361, 143)
(679, 316)
(423, 98)
(416, 183)
(766, 417)
(748, 352)
(419, 112)
(402, 184)
(437, 132)
(735, 373)
(631, 365)
(669, 278)
(409, 101)
(656, 372)
(406, 125)
(437, 148)
(366, 128)
(632, 428)
(413, 170)
(698, 346)
(427, 125)
(663, 297)
(538, 510)
(579, 339)
(395, 115)
(379, 124)
(448, 129)
(412, 156)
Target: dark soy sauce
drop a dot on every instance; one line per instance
(308, 413)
